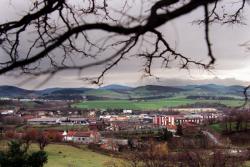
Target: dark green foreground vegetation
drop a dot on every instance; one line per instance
(17, 155)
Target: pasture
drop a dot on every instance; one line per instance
(149, 104)
(68, 156)
(65, 156)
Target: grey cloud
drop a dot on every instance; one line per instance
(184, 36)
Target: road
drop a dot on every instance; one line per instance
(212, 138)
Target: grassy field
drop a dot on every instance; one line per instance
(150, 104)
(54, 127)
(65, 156)
(68, 156)
(106, 93)
(219, 127)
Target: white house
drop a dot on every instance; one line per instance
(7, 112)
(81, 137)
(68, 135)
(127, 111)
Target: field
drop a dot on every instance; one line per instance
(219, 127)
(68, 156)
(65, 156)
(53, 127)
(150, 104)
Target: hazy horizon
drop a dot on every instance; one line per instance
(161, 82)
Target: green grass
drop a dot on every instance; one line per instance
(126, 104)
(219, 127)
(150, 104)
(54, 127)
(71, 156)
(66, 155)
(106, 93)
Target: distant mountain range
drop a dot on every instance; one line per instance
(125, 92)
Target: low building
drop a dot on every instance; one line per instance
(172, 128)
(86, 137)
(127, 111)
(6, 112)
(75, 120)
(163, 120)
(128, 125)
(46, 121)
(97, 125)
(113, 144)
(28, 116)
(195, 110)
(68, 136)
(190, 128)
(195, 118)
(81, 137)
(59, 120)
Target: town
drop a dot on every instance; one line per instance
(113, 130)
(124, 83)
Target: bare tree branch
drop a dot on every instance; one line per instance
(62, 26)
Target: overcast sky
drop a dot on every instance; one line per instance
(232, 65)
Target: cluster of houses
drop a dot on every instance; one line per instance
(179, 119)
(81, 137)
(131, 121)
(94, 137)
(185, 115)
(126, 121)
(188, 116)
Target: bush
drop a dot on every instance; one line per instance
(17, 156)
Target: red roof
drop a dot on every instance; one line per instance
(171, 127)
(26, 117)
(82, 134)
(71, 133)
(189, 124)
